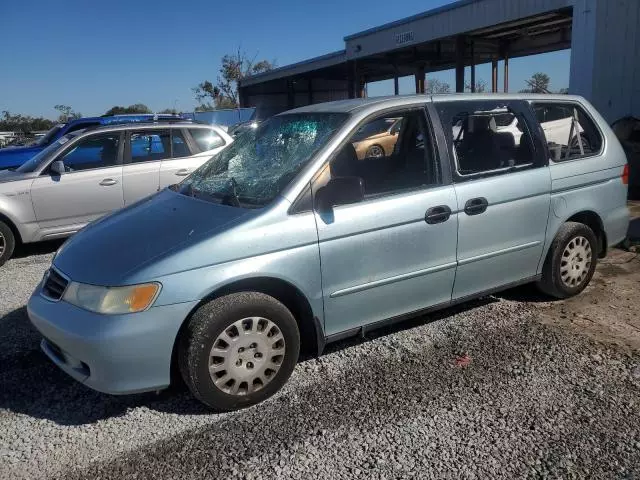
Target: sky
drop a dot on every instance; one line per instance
(92, 55)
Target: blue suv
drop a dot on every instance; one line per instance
(12, 157)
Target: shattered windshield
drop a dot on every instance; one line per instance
(260, 163)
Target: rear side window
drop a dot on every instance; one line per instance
(179, 146)
(487, 136)
(150, 145)
(206, 139)
(569, 131)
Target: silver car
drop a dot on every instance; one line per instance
(89, 173)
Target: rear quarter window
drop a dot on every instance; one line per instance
(569, 130)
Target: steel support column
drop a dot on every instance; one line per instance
(494, 75)
(291, 94)
(460, 48)
(506, 72)
(419, 77)
(473, 69)
(396, 86)
(351, 79)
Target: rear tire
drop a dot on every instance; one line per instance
(571, 261)
(7, 243)
(238, 350)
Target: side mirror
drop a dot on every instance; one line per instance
(57, 167)
(339, 191)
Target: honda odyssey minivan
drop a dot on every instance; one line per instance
(287, 240)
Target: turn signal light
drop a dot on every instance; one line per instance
(625, 174)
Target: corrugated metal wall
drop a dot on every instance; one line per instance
(605, 56)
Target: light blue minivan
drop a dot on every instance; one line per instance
(292, 238)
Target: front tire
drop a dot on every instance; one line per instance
(238, 350)
(7, 243)
(571, 261)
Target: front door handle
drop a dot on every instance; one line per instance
(107, 182)
(476, 206)
(183, 172)
(438, 214)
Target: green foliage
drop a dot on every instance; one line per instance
(170, 111)
(135, 108)
(66, 113)
(538, 83)
(224, 94)
(23, 123)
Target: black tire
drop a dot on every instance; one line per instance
(552, 282)
(216, 317)
(375, 151)
(7, 243)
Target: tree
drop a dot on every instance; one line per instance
(66, 113)
(23, 123)
(135, 108)
(538, 83)
(481, 86)
(233, 69)
(170, 111)
(434, 85)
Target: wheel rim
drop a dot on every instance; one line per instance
(375, 152)
(246, 356)
(576, 262)
(3, 244)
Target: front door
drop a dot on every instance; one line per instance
(395, 252)
(502, 183)
(90, 187)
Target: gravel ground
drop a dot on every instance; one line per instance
(486, 390)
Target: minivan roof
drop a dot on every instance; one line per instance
(356, 104)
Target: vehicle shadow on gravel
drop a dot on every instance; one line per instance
(38, 248)
(32, 385)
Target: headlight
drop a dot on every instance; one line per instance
(112, 300)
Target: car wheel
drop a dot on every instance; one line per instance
(7, 243)
(571, 261)
(375, 151)
(238, 350)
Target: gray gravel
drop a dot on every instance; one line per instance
(532, 401)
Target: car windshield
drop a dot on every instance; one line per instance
(32, 164)
(47, 137)
(254, 169)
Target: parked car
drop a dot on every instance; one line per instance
(377, 139)
(13, 157)
(286, 240)
(89, 173)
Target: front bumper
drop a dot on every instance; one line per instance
(116, 354)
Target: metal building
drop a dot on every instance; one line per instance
(604, 37)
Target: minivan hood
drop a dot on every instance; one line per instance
(110, 250)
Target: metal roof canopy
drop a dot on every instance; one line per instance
(464, 33)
